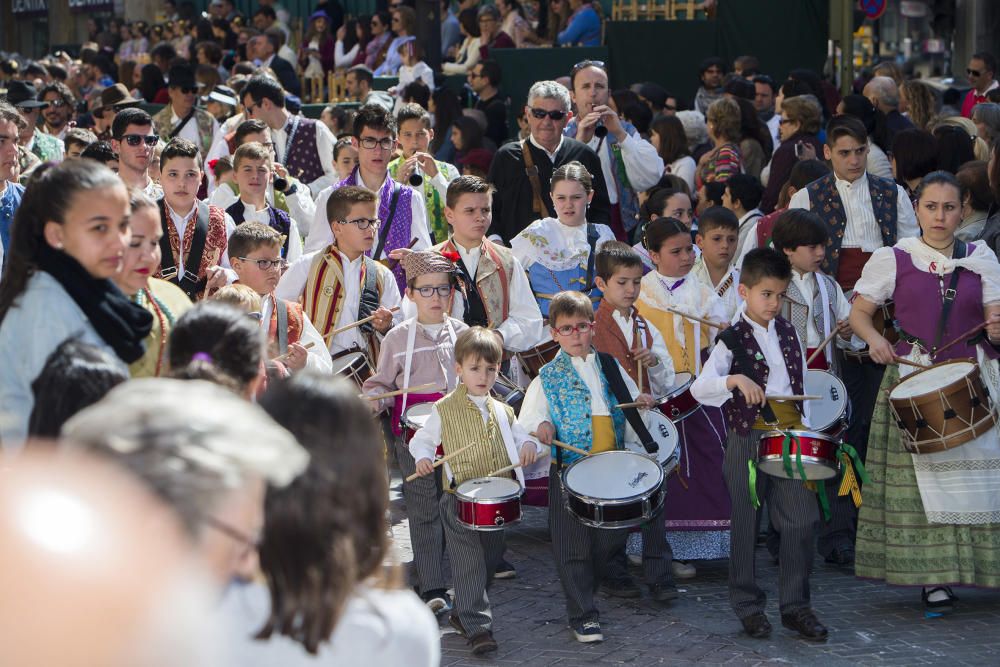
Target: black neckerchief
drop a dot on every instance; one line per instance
(120, 323)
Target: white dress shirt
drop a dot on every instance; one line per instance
(661, 376)
(747, 226)
(862, 229)
(321, 235)
(318, 358)
(731, 296)
(807, 284)
(300, 204)
(294, 282)
(180, 224)
(643, 165)
(190, 131)
(552, 155)
(251, 214)
(324, 146)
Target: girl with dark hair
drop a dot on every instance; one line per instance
(916, 527)
(152, 86)
(914, 155)
(351, 38)
(446, 108)
(466, 135)
(330, 523)
(317, 51)
(465, 55)
(67, 242)
(955, 148)
(667, 136)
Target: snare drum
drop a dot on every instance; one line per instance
(828, 414)
(941, 407)
(489, 503)
(679, 403)
(665, 435)
(618, 489)
(819, 454)
(884, 321)
(353, 365)
(532, 360)
(506, 391)
(414, 419)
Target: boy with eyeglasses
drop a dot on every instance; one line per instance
(255, 253)
(400, 209)
(253, 169)
(421, 351)
(132, 137)
(339, 284)
(574, 399)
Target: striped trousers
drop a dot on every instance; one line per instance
(581, 553)
(426, 535)
(792, 510)
(474, 556)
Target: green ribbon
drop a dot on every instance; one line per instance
(752, 468)
(859, 467)
(786, 459)
(824, 502)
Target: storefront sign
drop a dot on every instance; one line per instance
(29, 7)
(90, 5)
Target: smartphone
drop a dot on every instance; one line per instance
(799, 149)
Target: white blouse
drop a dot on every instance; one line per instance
(556, 246)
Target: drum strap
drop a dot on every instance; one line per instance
(742, 358)
(611, 370)
(592, 257)
(949, 294)
(281, 313)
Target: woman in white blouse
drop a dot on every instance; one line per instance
(467, 53)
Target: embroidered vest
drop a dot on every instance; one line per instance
(492, 281)
(301, 157)
(295, 324)
(740, 416)
(765, 225)
(569, 406)
(608, 337)
(216, 241)
(461, 424)
(825, 201)
(797, 311)
(323, 296)
(278, 220)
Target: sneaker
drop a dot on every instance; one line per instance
(483, 643)
(504, 570)
(683, 570)
(436, 600)
(588, 632)
(621, 588)
(663, 592)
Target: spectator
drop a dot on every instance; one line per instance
(724, 160)
(558, 19)
(377, 47)
(981, 72)
(359, 81)
(980, 148)
(350, 45)
(800, 125)
(755, 145)
(490, 34)
(466, 135)
(975, 180)
(862, 108)
(264, 48)
(181, 118)
(101, 151)
(451, 33)
(917, 101)
(640, 116)
(152, 86)
(221, 102)
(317, 54)
(60, 111)
(413, 68)
(11, 192)
(764, 91)
(914, 155)
(696, 132)
(513, 22)
(711, 72)
(485, 79)
(77, 139)
(403, 23)
(133, 140)
(465, 55)
(584, 26)
(207, 77)
(163, 55)
(446, 109)
(884, 94)
(986, 116)
(747, 67)
(24, 98)
(955, 148)
(667, 135)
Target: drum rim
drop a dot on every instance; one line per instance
(965, 378)
(623, 523)
(818, 435)
(678, 389)
(613, 501)
(492, 500)
(674, 453)
(833, 465)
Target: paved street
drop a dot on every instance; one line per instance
(870, 624)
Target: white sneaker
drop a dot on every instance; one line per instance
(683, 570)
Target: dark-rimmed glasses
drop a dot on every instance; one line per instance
(266, 264)
(362, 223)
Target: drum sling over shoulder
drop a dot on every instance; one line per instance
(281, 313)
(384, 232)
(609, 366)
(531, 171)
(947, 301)
(591, 259)
(742, 357)
(177, 272)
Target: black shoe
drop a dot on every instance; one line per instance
(757, 625)
(588, 632)
(436, 600)
(483, 643)
(663, 592)
(804, 622)
(504, 570)
(841, 556)
(939, 606)
(621, 588)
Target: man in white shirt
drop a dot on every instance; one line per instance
(132, 138)
(181, 118)
(620, 149)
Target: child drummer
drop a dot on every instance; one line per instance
(761, 355)
(572, 400)
(420, 351)
(469, 414)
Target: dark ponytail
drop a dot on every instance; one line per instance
(219, 336)
(661, 229)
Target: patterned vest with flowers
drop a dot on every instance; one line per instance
(491, 290)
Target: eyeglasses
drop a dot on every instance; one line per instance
(782, 121)
(136, 139)
(555, 114)
(569, 329)
(362, 223)
(266, 264)
(385, 143)
(428, 292)
(231, 532)
(583, 64)
(973, 72)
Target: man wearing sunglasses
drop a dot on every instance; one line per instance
(133, 139)
(58, 114)
(621, 149)
(181, 119)
(981, 70)
(522, 170)
(23, 97)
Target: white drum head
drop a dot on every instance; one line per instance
(664, 433)
(936, 377)
(488, 487)
(613, 475)
(341, 364)
(416, 415)
(832, 406)
(681, 380)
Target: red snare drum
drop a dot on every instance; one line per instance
(489, 503)
(679, 403)
(819, 454)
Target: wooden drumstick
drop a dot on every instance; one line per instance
(622, 406)
(399, 392)
(563, 445)
(638, 363)
(443, 459)
(505, 469)
(794, 397)
(306, 346)
(694, 318)
(968, 334)
(907, 362)
(352, 325)
(822, 346)
(392, 263)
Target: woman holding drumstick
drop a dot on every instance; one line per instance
(922, 522)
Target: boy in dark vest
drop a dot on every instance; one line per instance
(761, 355)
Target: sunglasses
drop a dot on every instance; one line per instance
(56, 104)
(973, 72)
(136, 139)
(555, 114)
(188, 90)
(586, 63)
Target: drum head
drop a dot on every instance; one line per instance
(416, 415)
(936, 377)
(344, 362)
(489, 487)
(613, 476)
(826, 411)
(664, 433)
(681, 380)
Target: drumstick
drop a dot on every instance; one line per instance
(794, 397)
(622, 406)
(959, 339)
(638, 363)
(695, 318)
(285, 355)
(503, 470)
(391, 264)
(563, 445)
(443, 459)
(399, 392)
(907, 362)
(348, 327)
(822, 346)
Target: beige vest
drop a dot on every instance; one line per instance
(493, 275)
(461, 424)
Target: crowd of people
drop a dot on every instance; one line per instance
(237, 320)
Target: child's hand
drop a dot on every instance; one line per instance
(296, 357)
(751, 391)
(844, 329)
(383, 319)
(545, 433)
(425, 467)
(399, 253)
(427, 163)
(528, 453)
(645, 401)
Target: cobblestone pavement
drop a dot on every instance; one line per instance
(870, 623)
